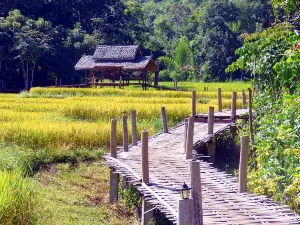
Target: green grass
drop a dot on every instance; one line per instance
(79, 195)
(18, 204)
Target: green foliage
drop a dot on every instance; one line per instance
(17, 200)
(131, 197)
(278, 150)
(272, 57)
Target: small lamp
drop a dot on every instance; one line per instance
(185, 191)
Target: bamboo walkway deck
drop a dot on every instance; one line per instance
(222, 203)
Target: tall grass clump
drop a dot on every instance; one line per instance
(17, 200)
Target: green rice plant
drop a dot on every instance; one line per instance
(17, 199)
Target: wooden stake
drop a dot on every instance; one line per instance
(244, 102)
(210, 120)
(113, 186)
(196, 192)
(185, 212)
(186, 120)
(125, 132)
(243, 164)
(146, 214)
(220, 107)
(113, 138)
(164, 119)
(194, 100)
(233, 106)
(145, 158)
(133, 127)
(190, 138)
(210, 144)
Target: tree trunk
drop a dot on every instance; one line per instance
(25, 73)
(32, 73)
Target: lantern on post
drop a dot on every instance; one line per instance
(185, 191)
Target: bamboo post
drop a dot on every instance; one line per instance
(125, 132)
(133, 127)
(186, 120)
(185, 212)
(113, 138)
(196, 192)
(190, 138)
(210, 120)
(233, 106)
(194, 101)
(113, 186)
(243, 164)
(164, 119)
(147, 213)
(210, 131)
(145, 157)
(244, 102)
(220, 107)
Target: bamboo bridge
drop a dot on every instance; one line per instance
(158, 166)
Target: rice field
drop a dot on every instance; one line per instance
(65, 125)
(73, 118)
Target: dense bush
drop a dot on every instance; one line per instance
(278, 151)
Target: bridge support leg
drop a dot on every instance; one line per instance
(196, 193)
(211, 144)
(190, 138)
(243, 164)
(220, 107)
(113, 186)
(194, 101)
(244, 102)
(233, 106)
(125, 132)
(147, 213)
(164, 119)
(185, 212)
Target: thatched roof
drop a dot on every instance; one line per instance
(107, 52)
(127, 58)
(143, 62)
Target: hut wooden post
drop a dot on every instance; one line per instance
(220, 107)
(113, 186)
(210, 144)
(125, 132)
(196, 193)
(147, 213)
(133, 127)
(156, 77)
(56, 82)
(164, 119)
(233, 106)
(145, 157)
(186, 120)
(243, 164)
(113, 138)
(190, 138)
(120, 85)
(185, 212)
(194, 100)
